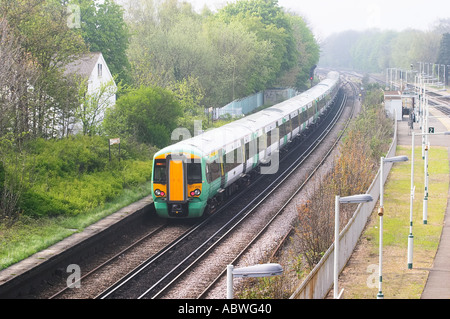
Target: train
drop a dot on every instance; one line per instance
(192, 177)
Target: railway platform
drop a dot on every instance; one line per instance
(438, 282)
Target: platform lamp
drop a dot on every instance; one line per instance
(383, 160)
(264, 270)
(355, 199)
(425, 201)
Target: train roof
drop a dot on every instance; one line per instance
(231, 134)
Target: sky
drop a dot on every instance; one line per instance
(329, 16)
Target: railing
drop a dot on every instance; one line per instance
(248, 104)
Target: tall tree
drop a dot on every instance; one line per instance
(146, 115)
(17, 71)
(104, 30)
(267, 19)
(47, 40)
(308, 53)
(444, 54)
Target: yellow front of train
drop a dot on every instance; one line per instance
(179, 187)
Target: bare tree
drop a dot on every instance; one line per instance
(18, 74)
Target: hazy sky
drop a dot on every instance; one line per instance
(328, 16)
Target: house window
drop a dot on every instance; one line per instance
(99, 67)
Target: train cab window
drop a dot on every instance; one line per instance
(194, 172)
(159, 171)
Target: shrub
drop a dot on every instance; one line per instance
(72, 175)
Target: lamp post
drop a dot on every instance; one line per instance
(264, 270)
(411, 202)
(381, 213)
(355, 199)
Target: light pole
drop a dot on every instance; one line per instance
(381, 213)
(355, 199)
(264, 270)
(411, 202)
(425, 193)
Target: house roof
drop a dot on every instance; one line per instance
(83, 65)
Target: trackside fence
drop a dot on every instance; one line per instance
(248, 104)
(320, 280)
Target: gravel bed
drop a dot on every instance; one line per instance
(108, 275)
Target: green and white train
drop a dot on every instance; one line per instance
(192, 176)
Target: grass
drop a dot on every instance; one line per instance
(30, 235)
(360, 277)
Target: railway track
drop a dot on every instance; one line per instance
(439, 102)
(149, 242)
(281, 209)
(178, 258)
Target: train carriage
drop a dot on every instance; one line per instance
(192, 176)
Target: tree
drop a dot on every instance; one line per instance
(444, 54)
(268, 21)
(104, 30)
(48, 43)
(244, 63)
(17, 71)
(146, 115)
(93, 105)
(308, 53)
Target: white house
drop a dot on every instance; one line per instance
(92, 69)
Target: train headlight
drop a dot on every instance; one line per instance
(159, 192)
(196, 192)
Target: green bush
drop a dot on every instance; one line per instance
(70, 156)
(72, 175)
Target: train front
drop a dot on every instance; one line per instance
(179, 189)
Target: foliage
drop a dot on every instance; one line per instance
(104, 30)
(181, 63)
(16, 70)
(267, 20)
(375, 50)
(41, 41)
(309, 52)
(93, 105)
(444, 50)
(244, 48)
(147, 115)
(367, 139)
(72, 175)
(13, 169)
(444, 53)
